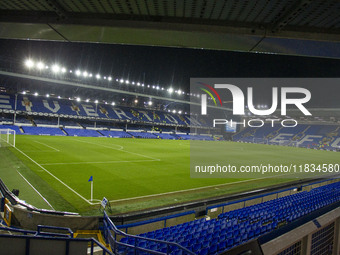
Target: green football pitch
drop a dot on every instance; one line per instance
(134, 174)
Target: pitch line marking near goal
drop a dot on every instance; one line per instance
(102, 162)
(36, 190)
(47, 146)
(134, 153)
(75, 192)
(193, 189)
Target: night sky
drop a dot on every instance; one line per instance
(165, 66)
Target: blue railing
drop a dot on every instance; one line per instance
(116, 246)
(38, 235)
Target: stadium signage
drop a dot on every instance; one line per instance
(256, 123)
(239, 100)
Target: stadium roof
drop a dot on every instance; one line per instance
(296, 27)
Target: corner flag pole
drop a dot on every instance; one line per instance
(91, 180)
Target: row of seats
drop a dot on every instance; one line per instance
(326, 137)
(233, 228)
(30, 104)
(32, 130)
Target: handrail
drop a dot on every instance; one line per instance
(25, 232)
(119, 232)
(29, 234)
(40, 227)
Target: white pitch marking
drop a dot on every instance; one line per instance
(75, 192)
(155, 159)
(181, 191)
(36, 190)
(47, 146)
(103, 162)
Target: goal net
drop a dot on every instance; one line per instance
(7, 137)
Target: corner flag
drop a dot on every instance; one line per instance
(91, 180)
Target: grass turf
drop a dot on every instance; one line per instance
(133, 173)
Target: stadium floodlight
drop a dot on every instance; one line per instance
(138, 83)
(47, 95)
(136, 101)
(127, 82)
(87, 100)
(85, 74)
(59, 97)
(143, 85)
(150, 103)
(90, 75)
(24, 92)
(98, 76)
(29, 63)
(96, 101)
(171, 90)
(180, 112)
(63, 70)
(162, 88)
(46, 67)
(153, 86)
(104, 77)
(70, 71)
(173, 111)
(157, 87)
(78, 99)
(179, 92)
(40, 65)
(109, 78)
(78, 72)
(133, 83)
(113, 103)
(36, 94)
(121, 80)
(55, 68)
(148, 86)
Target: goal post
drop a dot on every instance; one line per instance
(7, 137)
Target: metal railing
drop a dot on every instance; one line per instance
(43, 236)
(111, 239)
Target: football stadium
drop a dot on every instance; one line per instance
(169, 127)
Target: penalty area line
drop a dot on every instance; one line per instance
(75, 192)
(47, 146)
(36, 190)
(122, 149)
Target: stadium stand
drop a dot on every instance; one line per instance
(115, 134)
(42, 131)
(31, 105)
(82, 132)
(236, 227)
(142, 135)
(13, 127)
(324, 137)
(77, 118)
